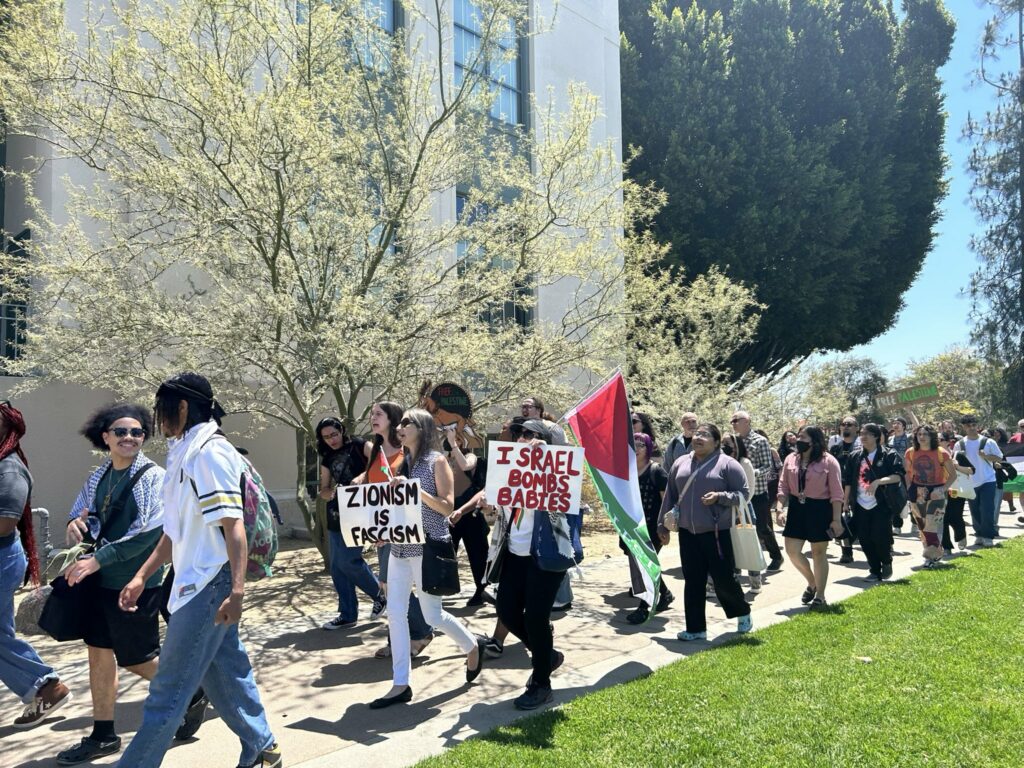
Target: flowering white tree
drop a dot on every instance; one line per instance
(263, 206)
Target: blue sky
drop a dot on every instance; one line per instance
(936, 313)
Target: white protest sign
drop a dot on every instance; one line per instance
(548, 477)
(381, 512)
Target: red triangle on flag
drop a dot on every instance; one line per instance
(602, 427)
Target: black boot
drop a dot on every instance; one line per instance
(847, 556)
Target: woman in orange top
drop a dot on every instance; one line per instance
(930, 473)
(386, 450)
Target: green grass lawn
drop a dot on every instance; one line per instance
(944, 687)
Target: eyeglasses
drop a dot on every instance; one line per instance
(135, 432)
(849, 424)
(636, 420)
(702, 433)
(736, 419)
(529, 434)
(407, 423)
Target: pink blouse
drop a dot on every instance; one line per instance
(822, 480)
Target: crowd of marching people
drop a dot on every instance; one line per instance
(175, 543)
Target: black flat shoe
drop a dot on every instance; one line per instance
(473, 674)
(88, 749)
(386, 701)
(194, 716)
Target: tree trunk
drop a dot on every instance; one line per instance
(315, 516)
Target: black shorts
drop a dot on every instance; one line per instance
(134, 637)
(808, 521)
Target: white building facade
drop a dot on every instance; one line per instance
(571, 41)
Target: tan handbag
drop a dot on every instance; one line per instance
(671, 519)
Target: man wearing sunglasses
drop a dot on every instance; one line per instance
(120, 511)
(533, 408)
(841, 446)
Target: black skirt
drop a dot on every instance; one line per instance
(808, 520)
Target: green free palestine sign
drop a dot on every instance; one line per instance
(922, 393)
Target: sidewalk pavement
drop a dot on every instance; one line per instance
(316, 684)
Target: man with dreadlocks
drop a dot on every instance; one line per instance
(21, 669)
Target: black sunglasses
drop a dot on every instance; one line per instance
(407, 423)
(529, 434)
(124, 432)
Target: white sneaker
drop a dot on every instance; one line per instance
(979, 542)
(987, 543)
(755, 583)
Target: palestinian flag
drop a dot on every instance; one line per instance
(601, 425)
(384, 465)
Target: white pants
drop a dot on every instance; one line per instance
(403, 574)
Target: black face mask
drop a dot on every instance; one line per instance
(727, 449)
(803, 445)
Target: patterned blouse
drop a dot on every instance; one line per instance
(434, 525)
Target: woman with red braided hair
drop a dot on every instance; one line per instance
(21, 669)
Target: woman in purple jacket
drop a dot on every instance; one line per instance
(705, 489)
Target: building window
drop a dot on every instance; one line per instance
(13, 313)
(502, 74)
(519, 308)
(383, 12)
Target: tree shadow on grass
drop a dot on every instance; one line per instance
(859, 582)
(535, 730)
(832, 609)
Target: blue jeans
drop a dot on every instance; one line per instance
(348, 571)
(198, 652)
(21, 669)
(985, 510)
(418, 627)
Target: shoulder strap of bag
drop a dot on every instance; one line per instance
(687, 484)
(128, 489)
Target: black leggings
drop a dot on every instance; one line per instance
(525, 596)
(701, 558)
(473, 532)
